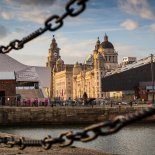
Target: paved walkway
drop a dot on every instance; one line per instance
(55, 150)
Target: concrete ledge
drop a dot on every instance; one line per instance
(60, 115)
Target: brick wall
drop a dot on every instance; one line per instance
(9, 87)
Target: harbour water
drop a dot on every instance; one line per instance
(138, 139)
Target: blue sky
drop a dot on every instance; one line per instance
(130, 25)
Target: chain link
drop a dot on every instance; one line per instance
(88, 134)
(53, 23)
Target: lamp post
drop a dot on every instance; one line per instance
(152, 77)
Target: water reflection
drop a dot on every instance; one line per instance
(132, 140)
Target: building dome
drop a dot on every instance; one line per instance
(106, 44)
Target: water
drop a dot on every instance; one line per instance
(133, 140)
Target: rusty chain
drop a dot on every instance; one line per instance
(88, 134)
(51, 24)
(68, 138)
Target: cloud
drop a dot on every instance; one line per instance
(5, 15)
(37, 16)
(36, 11)
(31, 2)
(97, 30)
(19, 30)
(11, 35)
(128, 50)
(3, 31)
(152, 27)
(130, 24)
(140, 8)
(24, 14)
(32, 60)
(73, 51)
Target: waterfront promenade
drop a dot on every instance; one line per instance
(36, 115)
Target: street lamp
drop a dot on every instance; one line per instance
(152, 76)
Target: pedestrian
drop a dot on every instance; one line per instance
(130, 103)
(111, 104)
(46, 101)
(119, 107)
(36, 102)
(28, 102)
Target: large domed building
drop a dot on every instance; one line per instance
(107, 49)
(72, 81)
(106, 44)
(87, 77)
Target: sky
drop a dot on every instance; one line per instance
(129, 24)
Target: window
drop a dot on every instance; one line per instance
(97, 83)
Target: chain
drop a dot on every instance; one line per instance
(88, 134)
(68, 138)
(51, 24)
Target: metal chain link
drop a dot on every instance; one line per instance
(68, 138)
(88, 134)
(51, 24)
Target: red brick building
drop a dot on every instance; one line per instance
(7, 88)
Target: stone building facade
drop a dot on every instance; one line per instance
(71, 81)
(61, 74)
(87, 77)
(63, 83)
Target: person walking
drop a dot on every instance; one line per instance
(46, 102)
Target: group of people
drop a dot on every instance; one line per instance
(33, 102)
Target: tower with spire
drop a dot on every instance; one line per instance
(105, 37)
(53, 54)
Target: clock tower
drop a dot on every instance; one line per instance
(53, 56)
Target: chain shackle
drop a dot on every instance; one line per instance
(5, 49)
(9, 141)
(67, 141)
(45, 144)
(16, 44)
(58, 23)
(73, 11)
(21, 144)
(77, 136)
